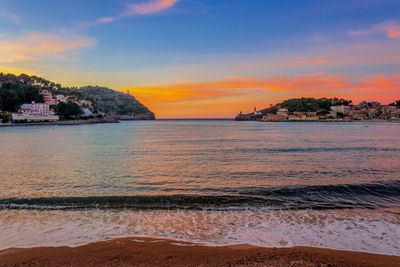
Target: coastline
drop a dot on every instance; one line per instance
(163, 252)
(373, 121)
(81, 122)
(63, 123)
(327, 121)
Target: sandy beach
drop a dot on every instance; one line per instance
(158, 252)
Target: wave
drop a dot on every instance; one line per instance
(318, 149)
(346, 196)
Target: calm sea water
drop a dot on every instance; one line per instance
(331, 185)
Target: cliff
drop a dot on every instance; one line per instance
(117, 104)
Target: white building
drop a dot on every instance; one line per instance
(87, 112)
(20, 117)
(257, 113)
(335, 110)
(282, 112)
(34, 112)
(36, 109)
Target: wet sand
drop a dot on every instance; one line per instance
(157, 252)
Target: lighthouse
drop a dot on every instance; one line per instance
(257, 113)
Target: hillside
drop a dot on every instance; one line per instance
(112, 103)
(324, 109)
(304, 104)
(16, 90)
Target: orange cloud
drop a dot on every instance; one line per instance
(390, 28)
(34, 46)
(225, 98)
(151, 7)
(144, 8)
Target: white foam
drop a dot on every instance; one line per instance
(368, 231)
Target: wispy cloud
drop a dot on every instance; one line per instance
(139, 9)
(390, 28)
(311, 61)
(151, 7)
(10, 16)
(37, 46)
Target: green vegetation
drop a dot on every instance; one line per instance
(13, 95)
(68, 111)
(321, 105)
(111, 102)
(108, 101)
(5, 117)
(18, 89)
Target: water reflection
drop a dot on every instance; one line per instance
(192, 157)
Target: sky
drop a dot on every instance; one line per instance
(208, 58)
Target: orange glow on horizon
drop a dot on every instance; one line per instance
(16, 71)
(226, 98)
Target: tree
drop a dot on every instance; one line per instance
(10, 99)
(13, 95)
(33, 94)
(68, 110)
(396, 103)
(313, 104)
(5, 117)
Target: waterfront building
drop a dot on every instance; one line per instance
(359, 114)
(36, 108)
(343, 110)
(48, 97)
(283, 112)
(87, 112)
(388, 112)
(273, 118)
(34, 112)
(395, 114)
(20, 117)
(257, 113)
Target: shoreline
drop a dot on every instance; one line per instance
(113, 120)
(73, 122)
(163, 252)
(325, 121)
(62, 123)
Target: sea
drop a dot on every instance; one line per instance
(213, 182)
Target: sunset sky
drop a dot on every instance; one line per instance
(208, 58)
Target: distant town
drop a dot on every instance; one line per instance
(324, 109)
(45, 112)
